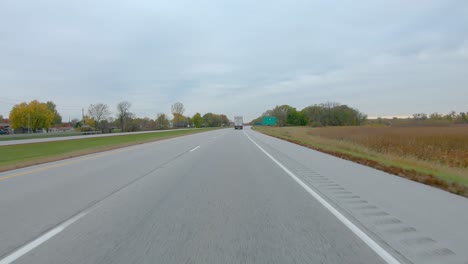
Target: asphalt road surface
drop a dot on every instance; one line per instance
(224, 196)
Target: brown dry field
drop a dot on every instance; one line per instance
(444, 145)
(436, 156)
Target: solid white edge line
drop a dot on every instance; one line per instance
(363, 236)
(195, 148)
(38, 241)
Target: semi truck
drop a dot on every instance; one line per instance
(238, 122)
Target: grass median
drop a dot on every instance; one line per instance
(436, 156)
(23, 155)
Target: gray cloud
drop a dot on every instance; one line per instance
(236, 57)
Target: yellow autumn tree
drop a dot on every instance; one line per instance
(39, 115)
(87, 120)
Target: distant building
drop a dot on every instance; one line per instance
(64, 127)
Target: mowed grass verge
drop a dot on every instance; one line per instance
(436, 156)
(19, 156)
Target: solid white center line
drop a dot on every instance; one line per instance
(38, 241)
(195, 148)
(361, 234)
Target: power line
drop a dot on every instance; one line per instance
(5, 102)
(9, 99)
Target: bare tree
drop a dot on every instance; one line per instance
(123, 113)
(98, 112)
(177, 109)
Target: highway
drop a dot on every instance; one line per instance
(224, 196)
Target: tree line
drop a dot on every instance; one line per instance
(326, 114)
(36, 115)
(423, 119)
(335, 114)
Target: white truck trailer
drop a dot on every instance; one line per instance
(238, 122)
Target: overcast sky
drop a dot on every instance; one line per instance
(385, 58)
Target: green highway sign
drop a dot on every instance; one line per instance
(268, 121)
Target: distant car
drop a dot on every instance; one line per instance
(3, 132)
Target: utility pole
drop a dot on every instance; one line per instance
(29, 118)
(82, 114)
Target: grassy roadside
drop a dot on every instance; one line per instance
(19, 156)
(338, 142)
